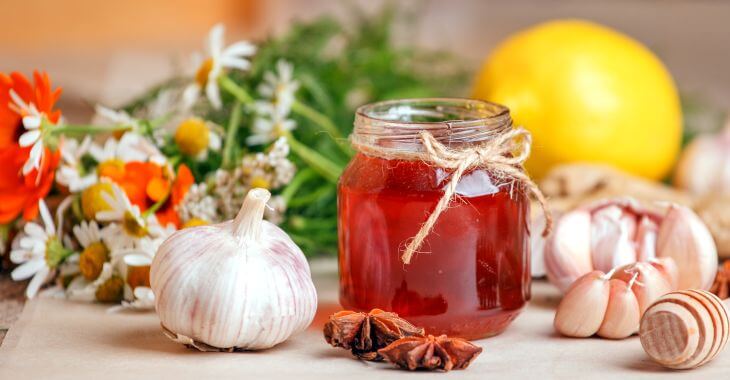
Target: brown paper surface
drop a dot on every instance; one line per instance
(65, 340)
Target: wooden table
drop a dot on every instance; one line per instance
(61, 339)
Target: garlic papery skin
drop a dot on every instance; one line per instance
(685, 238)
(241, 284)
(623, 313)
(704, 166)
(648, 283)
(567, 254)
(582, 309)
(617, 232)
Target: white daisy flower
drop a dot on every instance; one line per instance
(87, 233)
(279, 87)
(211, 67)
(195, 137)
(32, 121)
(39, 252)
(130, 147)
(127, 225)
(71, 172)
(82, 290)
(142, 299)
(106, 115)
(266, 129)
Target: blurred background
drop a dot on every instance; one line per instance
(111, 51)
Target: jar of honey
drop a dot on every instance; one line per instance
(470, 276)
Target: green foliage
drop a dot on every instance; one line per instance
(339, 65)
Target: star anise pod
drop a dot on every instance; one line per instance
(721, 286)
(431, 353)
(365, 333)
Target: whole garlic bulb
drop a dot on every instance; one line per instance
(704, 166)
(241, 284)
(618, 232)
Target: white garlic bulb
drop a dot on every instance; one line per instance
(241, 284)
(618, 232)
(704, 166)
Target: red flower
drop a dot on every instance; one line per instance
(147, 183)
(20, 193)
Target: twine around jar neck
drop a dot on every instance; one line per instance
(503, 155)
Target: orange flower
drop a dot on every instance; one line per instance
(147, 183)
(20, 193)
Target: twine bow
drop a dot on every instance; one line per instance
(502, 155)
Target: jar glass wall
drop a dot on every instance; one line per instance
(471, 276)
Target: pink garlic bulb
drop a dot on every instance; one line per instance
(617, 232)
(241, 284)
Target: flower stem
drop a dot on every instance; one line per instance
(314, 116)
(233, 123)
(299, 179)
(82, 129)
(323, 122)
(156, 206)
(234, 89)
(321, 164)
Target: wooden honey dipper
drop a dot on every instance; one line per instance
(685, 329)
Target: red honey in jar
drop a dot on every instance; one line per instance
(471, 276)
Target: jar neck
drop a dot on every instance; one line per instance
(397, 125)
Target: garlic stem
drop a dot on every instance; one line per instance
(247, 225)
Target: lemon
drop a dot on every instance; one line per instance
(586, 93)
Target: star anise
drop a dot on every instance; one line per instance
(365, 333)
(721, 286)
(431, 353)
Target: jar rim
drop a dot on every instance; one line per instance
(484, 111)
(398, 123)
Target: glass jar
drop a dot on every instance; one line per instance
(471, 277)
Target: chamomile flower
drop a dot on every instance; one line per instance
(127, 148)
(95, 253)
(128, 227)
(71, 171)
(195, 136)
(83, 290)
(269, 170)
(268, 128)
(40, 251)
(209, 69)
(279, 88)
(107, 115)
(32, 121)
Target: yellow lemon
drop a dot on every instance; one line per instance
(586, 93)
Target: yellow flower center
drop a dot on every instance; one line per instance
(92, 260)
(195, 222)
(113, 168)
(132, 226)
(138, 276)
(260, 182)
(112, 290)
(201, 76)
(192, 136)
(92, 200)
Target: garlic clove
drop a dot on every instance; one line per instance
(668, 268)
(704, 166)
(685, 238)
(648, 282)
(622, 314)
(582, 309)
(567, 253)
(646, 235)
(612, 233)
